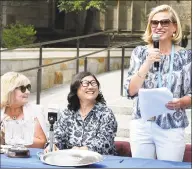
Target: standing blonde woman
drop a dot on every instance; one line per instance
(161, 137)
(15, 90)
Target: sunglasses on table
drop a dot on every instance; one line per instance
(86, 83)
(23, 88)
(163, 23)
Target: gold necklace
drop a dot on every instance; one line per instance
(84, 115)
(14, 117)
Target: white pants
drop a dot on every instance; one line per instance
(148, 140)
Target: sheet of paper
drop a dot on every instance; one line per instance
(152, 102)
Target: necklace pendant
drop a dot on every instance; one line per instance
(14, 117)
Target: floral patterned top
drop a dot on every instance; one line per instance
(97, 131)
(180, 83)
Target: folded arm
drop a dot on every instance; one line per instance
(39, 136)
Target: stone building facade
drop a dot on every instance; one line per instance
(120, 15)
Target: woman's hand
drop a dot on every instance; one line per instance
(154, 55)
(80, 148)
(47, 149)
(75, 147)
(174, 105)
(84, 148)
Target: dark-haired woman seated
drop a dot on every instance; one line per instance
(87, 123)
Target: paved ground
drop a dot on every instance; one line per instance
(110, 87)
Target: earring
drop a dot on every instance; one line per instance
(174, 34)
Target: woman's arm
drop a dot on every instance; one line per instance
(2, 137)
(185, 101)
(2, 128)
(181, 103)
(103, 141)
(138, 77)
(60, 129)
(39, 136)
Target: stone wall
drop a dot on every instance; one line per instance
(28, 12)
(20, 59)
(129, 16)
(126, 19)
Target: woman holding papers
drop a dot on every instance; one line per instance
(155, 137)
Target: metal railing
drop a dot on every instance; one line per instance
(77, 57)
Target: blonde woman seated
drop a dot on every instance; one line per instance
(15, 90)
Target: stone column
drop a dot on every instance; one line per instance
(3, 6)
(131, 16)
(102, 20)
(145, 9)
(51, 10)
(1, 22)
(118, 7)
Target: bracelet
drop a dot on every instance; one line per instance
(143, 77)
(46, 145)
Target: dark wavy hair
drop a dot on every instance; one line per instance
(73, 100)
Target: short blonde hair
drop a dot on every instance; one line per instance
(147, 37)
(10, 81)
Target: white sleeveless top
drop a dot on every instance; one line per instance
(32, 111)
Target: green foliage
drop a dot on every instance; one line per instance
(15, 35)
(81, 5)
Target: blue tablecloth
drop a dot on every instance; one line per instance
(108, 162)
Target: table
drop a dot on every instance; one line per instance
(108, 162)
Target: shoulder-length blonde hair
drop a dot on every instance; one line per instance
(10, 81)
(147, 37)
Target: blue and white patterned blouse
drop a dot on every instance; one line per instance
(97, 131)
(181, 83)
